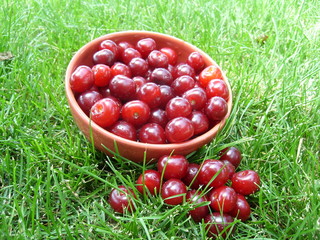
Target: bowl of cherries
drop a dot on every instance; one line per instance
(144, 94)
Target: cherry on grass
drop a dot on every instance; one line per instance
(174, 166)
(191, 178)
(179, 130)
(223, 199)
(105, 112)
(246, 182)
(173, 191)
(242, 209)
(120, 199)
(219, 224)
(149, 179)
(195, 197)
(231, 154)
(213, 172)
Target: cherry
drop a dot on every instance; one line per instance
(213, 173)
(158, 116)
(209, 73)
(122, 87)
(120, 69)
(182, 84)
(87, 99)
(216, 108)
(120, 199)
(104, 56)
(124, 129)
(196, 198)
(123, 45)
(81, 79)
(174, 166)
(128, 54)
(219, 224)
(152, 133)
(138, 66)
(246, 182)
(217, 87)
(231, 154)
(191, 178)
(157, 59)
(166, 94)
(150, 93)
(111, 45)
(135, 112)
(161, 76)
(102, 75)
(178, 107)
(196, 61)
(171, 188)
(183, 69)
(105, 112)
(171, 54)
(200, 122)
(151, 180)
(242, 209)
(230, 167)
(140, 81)
(145, 46)
(223, 199)
(197, 98)
(179, 129)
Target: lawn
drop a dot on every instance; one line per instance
(55, 185)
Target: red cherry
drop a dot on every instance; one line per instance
(149, 179)
(171, 188)
(197, 98)
(158, 116)
(242, 209)
(128, 54)
(195, 198)
(191, 176)
(157, 59)
(246, 182)
(121, 69)
(120, 199)
(231, 154)
(111, 45)
(81, 79)
(174, 166)
(178, 107)
(150, 94)
(122, 87)
(138, 66)
(209, 73)
(152, 133)
(213, 172)
(105, 112)
(179, 129)
(230, 168)
(182, 84)
(87, 99)
(146, 46)
(223, 199)
(104, 56)
(219, 224)
(216, 108)
(171, 54)
(124, 129)
(135, 112)
(217, 87)
(196, 61)
(102, 75)
(200, 122)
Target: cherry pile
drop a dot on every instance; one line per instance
(215, 182)
(142, 93)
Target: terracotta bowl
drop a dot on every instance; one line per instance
(108, 142)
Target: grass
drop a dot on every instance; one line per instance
(55, 185)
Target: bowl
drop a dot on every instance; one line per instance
(132, 150)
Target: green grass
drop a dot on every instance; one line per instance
(55, 185)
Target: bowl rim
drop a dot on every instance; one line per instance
(94, 127)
